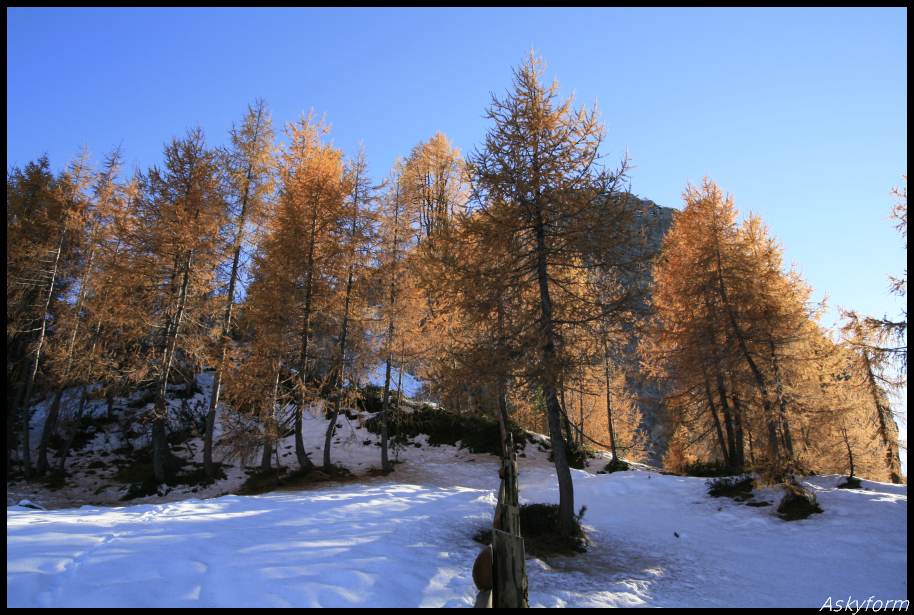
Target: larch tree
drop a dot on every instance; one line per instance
(176, 249)
(889, 335)
(874, 376)
(259, 365)
(91, 226)
(28, 192)
(692, 343)
(540, 166)
(880, 346)
(255, 368)
(737, 337)
(434, 184)
(248, 165)
(40, 269)
(302, 243)
(397, 301)
(33, 214)
(355, 235)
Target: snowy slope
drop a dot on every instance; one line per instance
(405, 540)
(411, 385)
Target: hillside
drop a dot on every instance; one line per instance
(407, 539)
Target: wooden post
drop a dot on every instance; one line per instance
(510, 577)
(506, 556)
(509, 571)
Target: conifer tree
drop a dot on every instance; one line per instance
(91, 228)
(540, 166)
(397, 230)
(43, 264)
(301, 244)
(176, 248)
(872, 372)
(736, 336)
(33, 217)
(434, 183)
(249, 167)
(355, 237)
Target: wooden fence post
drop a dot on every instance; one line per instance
(508, 570)
(509, 573)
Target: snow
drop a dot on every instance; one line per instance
(405, 540)
(411, 385)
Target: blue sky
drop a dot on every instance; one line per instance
(801, 114)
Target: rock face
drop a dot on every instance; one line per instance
(653, 223)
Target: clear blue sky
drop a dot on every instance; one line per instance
(801, 114)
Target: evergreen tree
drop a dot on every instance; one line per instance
(301, 245)
(539, 169)
(175, 248)
(249, 168)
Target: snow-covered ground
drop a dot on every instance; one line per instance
(406, 539)
(411, 385)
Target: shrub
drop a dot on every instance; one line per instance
(707, 469)
(797, 503)
(616, 465)
(147, 397)
(851, 482)
(478, 434)
(185, 392)
(55, 480)
(372, 399)
(138, 474)
(576, 455)
(261, 481)
(736, 487)
(539, 527)
(279, 479)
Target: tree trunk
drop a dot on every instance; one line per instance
(740, 455)
(502, 386)
(51, 423)
(724, 451)
(581, 411)
(609, 405)
(563, 472)
(226, 323)
(33, 373)
(751, 451)
(331, 427)
(385, 463)
(161, 455)
(850, 453)
(74, 429)
(883, 417)
(50, 426)
(728, 422)
(400, 383)
(773, 447)
(391, 329)
(270, 427)
(304, 462)
(787, 439)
